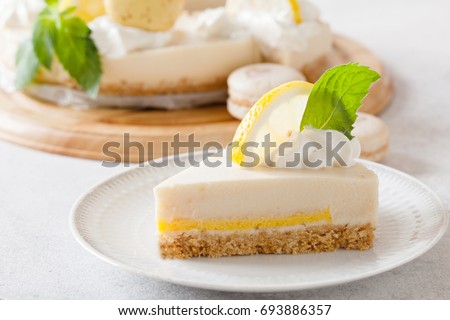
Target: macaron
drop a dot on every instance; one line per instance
(373, 135)
(197, 5)
(247, 84)
(154, 15)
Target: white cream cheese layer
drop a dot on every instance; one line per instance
(228, 192)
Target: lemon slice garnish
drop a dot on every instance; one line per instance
(296, 11)
(278, 113)
(86, 9)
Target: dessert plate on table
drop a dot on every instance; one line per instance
(115, 221)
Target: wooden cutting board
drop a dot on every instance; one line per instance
(86, 133)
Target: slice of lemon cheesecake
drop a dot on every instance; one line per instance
(225, 211)
(305, 193)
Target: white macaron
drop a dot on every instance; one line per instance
(373, 135)
(247, 84)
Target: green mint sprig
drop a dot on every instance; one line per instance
(336, 97)
(67, 37)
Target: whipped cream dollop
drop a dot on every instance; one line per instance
(273, 25)
(280, 12)
(19, 13)
(315, 149)
(210, 24)
(115, 40)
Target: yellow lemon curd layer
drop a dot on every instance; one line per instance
(244, 224)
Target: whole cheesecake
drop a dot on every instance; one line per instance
(152, 49)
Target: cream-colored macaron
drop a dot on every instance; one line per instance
(373, 135)
(247, 84)
(154, 15)
(197, 5)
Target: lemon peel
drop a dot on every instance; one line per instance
(259, 115)
(296, 11)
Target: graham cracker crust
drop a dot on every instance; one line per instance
(183, 245)
(183, 85)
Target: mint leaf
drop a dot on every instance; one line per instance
(68, 37)
(27, 64)
(69, 10)
(336, 97)
(52, 3)
(78, 54)
(44, 36)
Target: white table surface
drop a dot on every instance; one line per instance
(39, 259)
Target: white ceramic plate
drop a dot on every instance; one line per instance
(115, 221)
